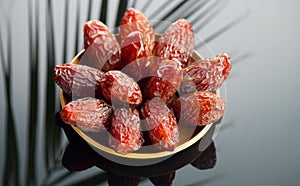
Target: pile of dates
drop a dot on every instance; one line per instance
(133, 82)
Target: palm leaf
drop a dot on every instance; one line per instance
(11, 165)
(224, 29)
(121, 10)
(66, 31)
(89, 13)
(211, 14)
(173, 11)
(134, 2)
(52, 134)
(78, 10)
(205, 12)
(158, 10)
(103, 11)
(33, 94)
(146, 6)
(194, 9)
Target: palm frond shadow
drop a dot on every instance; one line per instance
(224, 29)
(52, 143)
(33, 94)
(11, 174)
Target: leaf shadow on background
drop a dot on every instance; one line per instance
(237, 59)
(209, 13)
(33, 92)
(52, 133)
(103, 11)
(11, 156)
(121, 10)
(66, 30)
(224, 29)
(174, 10)
(146, 6)
(77, 29)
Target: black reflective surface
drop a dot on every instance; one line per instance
(79, 156)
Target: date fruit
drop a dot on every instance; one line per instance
(161, 124)
(120, 89)
(88, 114)
(135, 56)
(78, 81)
(206, 75)
(135, 20)
(165, 82)
(177, 42)
(198, 109)
(125, 130)
(101, 47)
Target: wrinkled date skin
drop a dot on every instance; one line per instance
(101, 47)
(135, 56)
(206, 75)
(161, 124)
(125, 130)
(120, 89)
(135, 20)
(88, 114)
(165, 82)
(198, 109)
(177, 42)
(78, 81)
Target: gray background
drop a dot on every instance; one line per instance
(258, 143)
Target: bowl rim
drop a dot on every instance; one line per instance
(135, 155)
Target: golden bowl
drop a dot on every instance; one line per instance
(188, 135)
(185, 131)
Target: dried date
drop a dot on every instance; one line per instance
(206, 75)
(161, 124)
(165, 82)
(125, 130)
(88, 114)
(101, 47)
(78, 81)
(135, 56)
(135, 20)
(120, 89)
(198, 109)
(177, 42)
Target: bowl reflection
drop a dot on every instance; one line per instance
(79, 155)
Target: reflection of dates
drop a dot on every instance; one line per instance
(207, 159)
(163, 180)
(88, 114)
(135, 56)
(161, 124)
(78, 80)
(166, 81)
(206, 75)
(134, 20)
(120, 89)
(198, 109)
(117, 180)
(101, 47)
(177, 42)
(125, 130)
